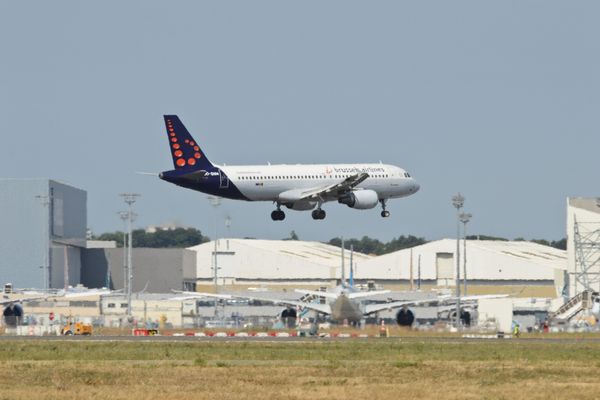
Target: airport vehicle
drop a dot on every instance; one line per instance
(297, 187)
(77, 328)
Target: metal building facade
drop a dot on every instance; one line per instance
(43, 232)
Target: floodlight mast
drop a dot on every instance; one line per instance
(130, 199)
(465, 218)
(124, 215)
(45, 201)
(458, 201)
(215, 202)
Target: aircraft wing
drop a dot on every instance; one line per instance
(335, 190)
(195, 295)
(328, 295)
(362, 295)
(373, 308)
(4, 302)
(322, 308)
(59, 295)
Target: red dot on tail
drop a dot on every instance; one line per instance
(191, 161)
(180, 162)
(197, 155)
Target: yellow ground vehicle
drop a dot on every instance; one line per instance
(77, 328)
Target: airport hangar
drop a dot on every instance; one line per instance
(524, 269)
(43, 233)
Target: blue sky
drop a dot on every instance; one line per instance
(498, 100)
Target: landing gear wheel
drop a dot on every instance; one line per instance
(318, 214)
(277, 215)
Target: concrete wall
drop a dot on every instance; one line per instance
(160, 269)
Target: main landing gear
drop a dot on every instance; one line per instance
(384, 213)
(278, 215)
(318, 214)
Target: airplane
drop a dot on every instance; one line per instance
(13, 310)
(343, 303)
(297, 187)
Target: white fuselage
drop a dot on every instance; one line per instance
(267, 182)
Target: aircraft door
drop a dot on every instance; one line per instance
(224, 180)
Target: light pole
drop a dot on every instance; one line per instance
(458, 201)
(45, 200)
(125, 217)
(130, 199)
(215, 202)
(465, 218)
(228, 225)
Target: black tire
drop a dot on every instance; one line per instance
(315, 214)
(322, 214)
(69, 333)
(277, 215)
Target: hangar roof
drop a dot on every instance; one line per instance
(314, 252)
(585, 203)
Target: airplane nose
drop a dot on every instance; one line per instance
(416, 187)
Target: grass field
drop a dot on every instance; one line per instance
(318, 369)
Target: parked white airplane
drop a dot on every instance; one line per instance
(344, 303)
(297, 187)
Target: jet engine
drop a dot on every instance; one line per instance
(13, 314)
(466, 316)
(405, 317)
(288, 317)
(360, 199)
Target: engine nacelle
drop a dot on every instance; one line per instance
(288, 317)
(405, 317)
(360, 199)
(13, 315)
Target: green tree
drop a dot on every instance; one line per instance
(174, 238)
(368, 245)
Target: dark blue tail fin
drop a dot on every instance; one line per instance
(186, 152)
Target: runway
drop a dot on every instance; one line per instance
(297, 339)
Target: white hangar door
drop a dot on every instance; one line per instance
(226, 268)
(444, 263)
